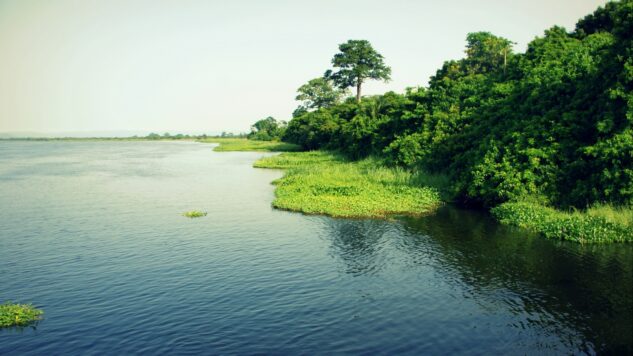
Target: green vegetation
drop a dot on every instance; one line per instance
(327, 183)
(357, 61)
(18, 315)
(166, 136)
(316, 94)
(194, 214)
(595, 225)
(151, 137)
(552, 124)
(242, 144)
(267, 129)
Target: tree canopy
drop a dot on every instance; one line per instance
(487, 52)
(553, 124)
(357, 61)
(319, 93)
(267, 129)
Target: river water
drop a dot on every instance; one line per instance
(92, 233)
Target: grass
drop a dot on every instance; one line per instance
(598, 224)
(617, 215)
(242, 144)
(18, 315)
(326, 183)
(194, 214)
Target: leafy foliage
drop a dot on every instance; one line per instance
(18, 315)
(318, 93)
(312, 130)
(358, 61)
(552, 124)
(486, 52)
(267, 129)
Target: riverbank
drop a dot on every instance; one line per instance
(242, 144)
(320, 182)
(600, 224)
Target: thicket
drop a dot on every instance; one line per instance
(268, 129)
(552, 124)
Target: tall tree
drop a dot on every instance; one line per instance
(487, 52)
(319, 93)
(358, 61)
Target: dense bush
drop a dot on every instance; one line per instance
(553, 123)
(267, 129)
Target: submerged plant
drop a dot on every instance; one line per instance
(195, 214)
(18, 315)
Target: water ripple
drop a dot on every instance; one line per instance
(92, 233)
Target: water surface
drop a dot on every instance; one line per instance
(91, 232)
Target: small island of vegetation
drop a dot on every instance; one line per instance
(18, 315)
(194, 214)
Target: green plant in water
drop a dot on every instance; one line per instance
(194, 214)
(319, 182)
(598, 224)
(18, 315)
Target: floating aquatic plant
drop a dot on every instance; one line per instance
(194, 214)
(18, 315)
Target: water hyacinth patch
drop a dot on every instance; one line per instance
(326, 183)
(194, 214)
(18, 315)
(596, 225)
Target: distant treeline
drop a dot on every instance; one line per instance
(167, 136)
(552, 125)
(151, 136)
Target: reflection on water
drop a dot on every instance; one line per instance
(358, 243)
(91, 232)
(580, 293)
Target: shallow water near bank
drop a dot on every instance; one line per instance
(93, 234)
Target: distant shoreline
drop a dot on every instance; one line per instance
(132, 138)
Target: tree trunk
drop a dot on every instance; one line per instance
(358, 84)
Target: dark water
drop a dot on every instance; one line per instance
(91, 232)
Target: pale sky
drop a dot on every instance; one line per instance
(209, 66)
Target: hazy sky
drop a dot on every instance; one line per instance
(208, 66)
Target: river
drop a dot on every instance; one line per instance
(92, 233)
